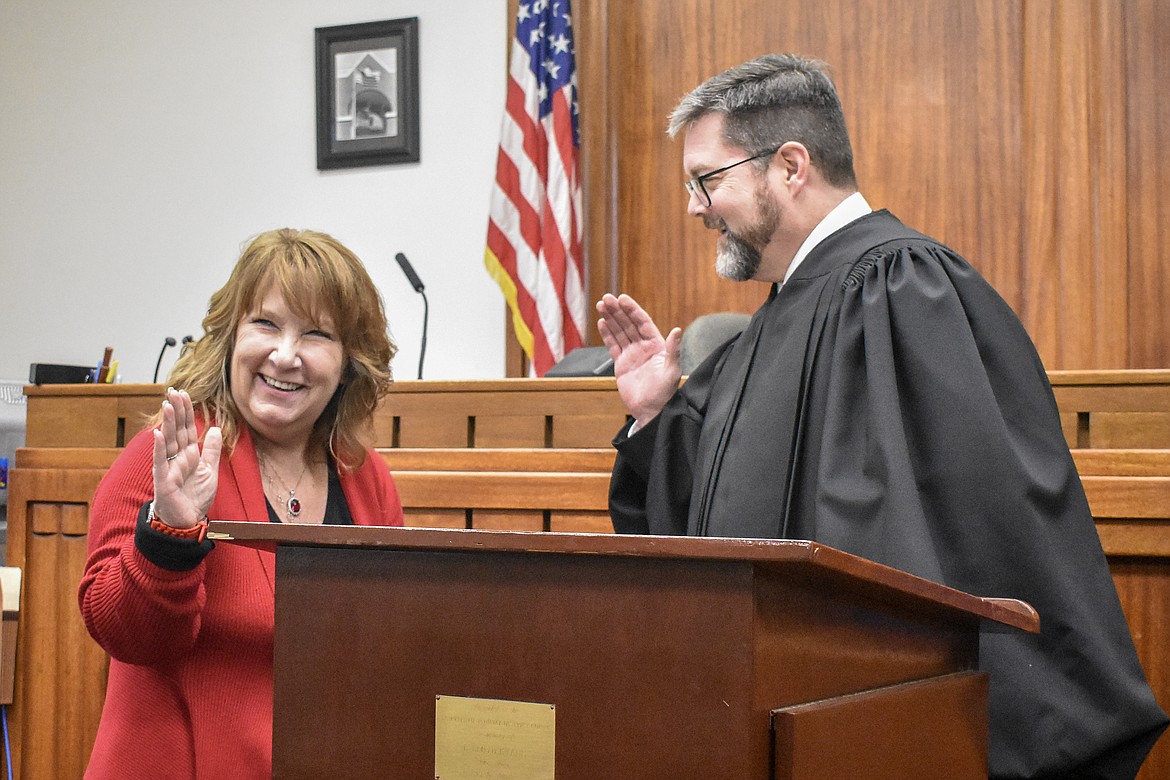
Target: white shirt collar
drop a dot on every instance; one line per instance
(853, 207)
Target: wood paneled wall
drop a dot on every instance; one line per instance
(1147, 39)
(1026, 134)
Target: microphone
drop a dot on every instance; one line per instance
(408, 269)
(170, 342)
(187, 340)
(419, 288)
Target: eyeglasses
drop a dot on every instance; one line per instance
(697, 188)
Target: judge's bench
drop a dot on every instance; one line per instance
(507, 455)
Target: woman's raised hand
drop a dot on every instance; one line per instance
(185, 476)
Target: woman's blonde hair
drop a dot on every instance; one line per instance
(315, 274)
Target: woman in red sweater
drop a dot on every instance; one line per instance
(271, 423)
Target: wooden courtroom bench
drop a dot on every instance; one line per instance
(1114, 409)
(523, 489)
(528, 455)
(1129, 495)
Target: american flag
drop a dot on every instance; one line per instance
(534, 228)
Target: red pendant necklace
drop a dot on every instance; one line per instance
(292, 505)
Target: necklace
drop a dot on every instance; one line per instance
(292, 504)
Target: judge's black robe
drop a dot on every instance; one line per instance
(887, 402)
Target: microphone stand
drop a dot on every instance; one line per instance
(170, 342)
(423, 350)
(416, 283)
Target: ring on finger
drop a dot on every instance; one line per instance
(172, 457)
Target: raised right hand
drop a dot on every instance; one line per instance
(185, 478)
(646, 365)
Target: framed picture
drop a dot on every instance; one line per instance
(367, 94)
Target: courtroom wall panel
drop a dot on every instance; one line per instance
(1147, 39)
(1023, 133)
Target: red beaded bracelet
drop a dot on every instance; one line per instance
(198, 532)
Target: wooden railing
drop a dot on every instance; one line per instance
(528, 455)
(1099, 410)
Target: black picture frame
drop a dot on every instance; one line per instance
(367, 94)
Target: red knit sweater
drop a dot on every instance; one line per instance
(190, 686)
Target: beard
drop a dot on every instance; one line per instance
(738, 255)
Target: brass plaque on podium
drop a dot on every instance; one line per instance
(494, 739)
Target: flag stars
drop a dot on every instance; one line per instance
(536, 34)
(560, 44)
(552, 68)
(524, 12)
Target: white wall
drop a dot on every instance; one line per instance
(142, 141)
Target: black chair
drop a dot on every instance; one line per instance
(583, 361)
(708, 332)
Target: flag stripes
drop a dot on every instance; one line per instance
(534, 243)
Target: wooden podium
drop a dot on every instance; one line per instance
(653, 657)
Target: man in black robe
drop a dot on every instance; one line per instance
(885, 401)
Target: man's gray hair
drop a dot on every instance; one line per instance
(771, 100)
